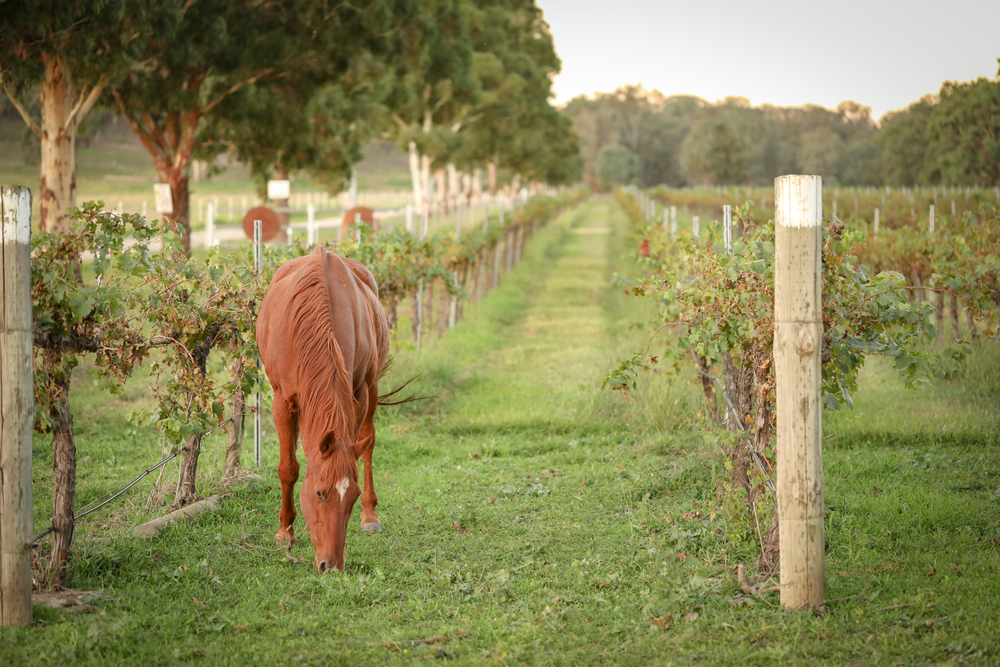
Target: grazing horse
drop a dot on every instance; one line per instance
(324, 341)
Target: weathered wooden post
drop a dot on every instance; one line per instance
(798, 336)
(694, 226)
(875, 238)
(17, 406)
(258, 424)
(673, 221)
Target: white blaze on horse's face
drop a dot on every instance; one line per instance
(342, 487)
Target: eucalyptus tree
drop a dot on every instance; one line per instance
(64, 53)
(222, 51)
(315, 118)
(514, 124)
(434, 88)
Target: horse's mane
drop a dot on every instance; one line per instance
(326, 394)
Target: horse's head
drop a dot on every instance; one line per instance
(327, 500)
(328, 511)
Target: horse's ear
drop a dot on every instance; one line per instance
(359, 447)
(327, 443)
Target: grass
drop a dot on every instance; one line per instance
(532, 519)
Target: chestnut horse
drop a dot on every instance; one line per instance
(324, 341)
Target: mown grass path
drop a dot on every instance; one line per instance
(530, 518)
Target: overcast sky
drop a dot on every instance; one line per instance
(881, 54)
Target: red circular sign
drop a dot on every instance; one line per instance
(270, 223)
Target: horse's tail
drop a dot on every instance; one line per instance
(389, 398)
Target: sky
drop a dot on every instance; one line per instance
(881, 54)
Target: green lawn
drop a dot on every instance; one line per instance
(530, 518)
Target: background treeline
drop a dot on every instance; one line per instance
(645, 138)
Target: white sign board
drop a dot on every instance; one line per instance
(163, 198)
(279, 189)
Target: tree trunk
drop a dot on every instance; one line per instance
(186, 491)
(418, 189)
(739, 391)
(441, 203)
(491, 170)
(390, 310)
(64, 464)
(956, 332)
(477, 186)
(58, 135)
(453, 187)
(178, 180)
(236, 425)
(706, 386)
(281, 174)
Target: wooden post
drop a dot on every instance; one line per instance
(17, 406)
(673, 221)
(875, 239)
(798, 336)
(258, 424)
(694, 226)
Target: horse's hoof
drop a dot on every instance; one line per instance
(285, 536)
(371, 527)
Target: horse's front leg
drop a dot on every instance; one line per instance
(286, 421)
(369, 518)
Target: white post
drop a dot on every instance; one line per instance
(17, 405)
(258, 424)
(311, 223)
(953, 208)
(798, 335)
(420, 285)
(673, 221)
(727, 228)
(875, 239)
(694, 226)
(210, 225)
(938, 312)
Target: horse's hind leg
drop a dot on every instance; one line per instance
(286, 421)
(369, 519)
